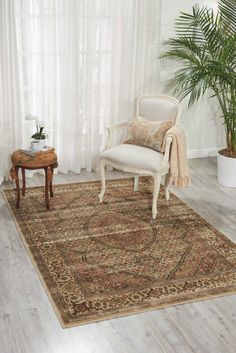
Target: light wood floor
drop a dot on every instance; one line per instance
(28, 323)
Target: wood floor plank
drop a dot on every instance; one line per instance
(28, 323)
(171, 335)
(33, 332)
(9, 338)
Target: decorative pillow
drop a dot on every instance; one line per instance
(148, 133)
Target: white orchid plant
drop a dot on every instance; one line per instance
(39, 134)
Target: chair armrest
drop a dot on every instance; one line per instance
(166, 157)
(112, 128)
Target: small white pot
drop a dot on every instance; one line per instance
(226, 167)
(38, 145)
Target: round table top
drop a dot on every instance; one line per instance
(39, 160)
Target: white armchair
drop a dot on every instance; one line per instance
(138, 159)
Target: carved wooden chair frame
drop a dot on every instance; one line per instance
(164, 163)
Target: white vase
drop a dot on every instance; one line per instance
(226, 167)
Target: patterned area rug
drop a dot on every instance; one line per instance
(100, 261)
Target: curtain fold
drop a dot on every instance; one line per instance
(11, 131)
(82, 64)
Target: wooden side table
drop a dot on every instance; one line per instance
(41, 160)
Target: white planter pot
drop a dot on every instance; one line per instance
(226, 170)
(37, 145)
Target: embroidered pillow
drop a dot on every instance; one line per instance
(148, 133)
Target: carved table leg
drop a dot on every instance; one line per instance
(46, 187)
(23, 181)
(17, 189)
(51, 191)
(14, 176)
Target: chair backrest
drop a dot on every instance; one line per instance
(158, 107)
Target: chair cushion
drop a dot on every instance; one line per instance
(134, 157)
(144, 132)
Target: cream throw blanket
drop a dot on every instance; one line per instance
(179, 174)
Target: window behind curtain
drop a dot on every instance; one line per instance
(83, 62)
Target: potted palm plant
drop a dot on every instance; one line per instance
(205, 49)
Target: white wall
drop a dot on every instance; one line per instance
(202, 123)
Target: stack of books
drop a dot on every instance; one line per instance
(31, 152)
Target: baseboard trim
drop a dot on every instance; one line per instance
(201, 153)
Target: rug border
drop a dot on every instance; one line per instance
(108, 316)
(33, 261)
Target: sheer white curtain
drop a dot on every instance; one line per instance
(11, 132)
(83, 62)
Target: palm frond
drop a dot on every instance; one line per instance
(190, 81)
(201, 26)
(228, 15)
(182, 55)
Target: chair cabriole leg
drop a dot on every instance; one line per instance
(103, 181)
(156, 188)
(136, 180)
(167, 193)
